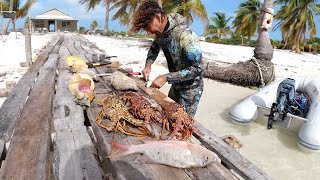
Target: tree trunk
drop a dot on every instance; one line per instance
(249, 40)
(298, 41)
(131, 17)
(5, 27)
(255, 72)
(13, 25)
(263, 50)
(106, 20)
(285, 43)
(28, 49)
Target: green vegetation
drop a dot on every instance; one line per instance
(220, 27)
(247, 19)
(21, 10)
(296, 21)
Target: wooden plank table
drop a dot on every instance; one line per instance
(229, 156)
(73, 155)
(10, 111)
(50, 136)
(128, 167)
(29, 147)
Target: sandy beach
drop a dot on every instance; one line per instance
(12, 52)
(274, 151)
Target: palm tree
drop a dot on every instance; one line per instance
(19, 12)
(247, 19)
(296, 18)
(10, 8)
(187, 8)
(125, 12)
(26, 22)
(257, 71)
(91, 4)
(94, 25)
(220, 27)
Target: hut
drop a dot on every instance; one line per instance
(54, 21)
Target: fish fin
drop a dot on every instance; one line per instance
(121, 150)
(120, 147)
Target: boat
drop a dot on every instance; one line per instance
(308, 138)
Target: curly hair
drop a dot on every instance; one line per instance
(144, 15)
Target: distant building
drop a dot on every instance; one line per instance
(54, 21)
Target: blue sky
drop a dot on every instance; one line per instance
(74, 9)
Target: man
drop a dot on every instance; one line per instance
(181, 48)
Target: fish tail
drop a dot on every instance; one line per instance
(120, 147)
(121, 150)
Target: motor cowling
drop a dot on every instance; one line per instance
(285, 98)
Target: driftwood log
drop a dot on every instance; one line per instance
(257, 71)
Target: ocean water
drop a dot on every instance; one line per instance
(275, 151)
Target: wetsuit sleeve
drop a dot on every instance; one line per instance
(191, 51)
(153, 51)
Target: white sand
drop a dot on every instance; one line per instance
(12, 52)
(274, 151)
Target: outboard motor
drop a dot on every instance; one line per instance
(285, 96)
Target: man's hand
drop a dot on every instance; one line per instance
(146, 71)
(159, 81)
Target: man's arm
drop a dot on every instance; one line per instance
(191, 49)
(153, 51)
(151, 57)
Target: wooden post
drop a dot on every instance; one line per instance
(28, 47)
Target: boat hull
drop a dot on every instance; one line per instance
(246, 111)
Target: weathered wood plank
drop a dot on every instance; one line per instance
(84, 45)
(56, 48)
(229, 156)
(78, 47)
(70, 41)
(73, 50)
(10, 111)
(66, 113)
(28, 155)
(73, 155)
(71, 47)
(92, 46)
(54, 41)
(77, 42)
(65, 42)
(63, 52)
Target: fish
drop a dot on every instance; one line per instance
(174, 153)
